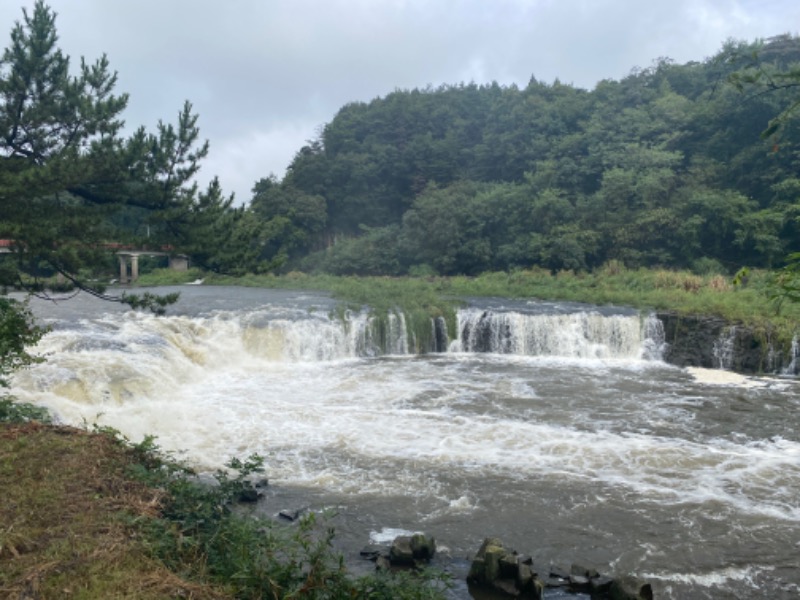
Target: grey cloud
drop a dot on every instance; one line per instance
(264, 75)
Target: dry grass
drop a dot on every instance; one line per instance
(678, 280)
(65, 515)
(718, 283)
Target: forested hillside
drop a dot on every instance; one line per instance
(666, 167)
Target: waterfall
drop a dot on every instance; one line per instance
(95, 355)
(586, 334)
(112, 359)
(320, 338)
(355, 334)
(793, 367)
(396, 334)
(723, 350)
(579, 334)
(654, 343)
(440, 338)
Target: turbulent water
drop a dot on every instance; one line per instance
(554, 427)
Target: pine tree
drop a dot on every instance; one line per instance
(71, 186)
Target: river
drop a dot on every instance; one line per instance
(555, 427)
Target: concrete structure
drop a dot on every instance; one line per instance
(177, 262)
(129, 259)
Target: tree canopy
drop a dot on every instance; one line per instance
(663, 168)
(72, 186)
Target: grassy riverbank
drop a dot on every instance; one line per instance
(682, 292)
(88, 515)
(66, 520)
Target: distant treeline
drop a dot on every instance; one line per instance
(665, 168)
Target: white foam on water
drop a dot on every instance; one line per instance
(323, 427)
(462, 504)
(293, 390)
(387, 535)
(715, 578)
(720, 377)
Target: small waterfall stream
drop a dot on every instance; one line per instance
(724, 349)
(586, 334)
(793, 368)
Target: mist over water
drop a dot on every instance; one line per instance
(555, 427)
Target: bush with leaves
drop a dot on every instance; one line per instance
(17, 333)
(200, 536)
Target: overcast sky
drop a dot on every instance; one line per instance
(265, 75)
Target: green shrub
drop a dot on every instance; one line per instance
(199, 536)
(12, 411)
(708, 266)
(423, 270)
(17, 333)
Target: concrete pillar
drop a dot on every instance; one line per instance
(123, 269)
(134, 267)
(179, 262)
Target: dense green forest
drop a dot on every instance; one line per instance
(674, 166)
(667, 167)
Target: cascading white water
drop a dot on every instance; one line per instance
(573, 335)
(114, 360)
(319, 337)
(397, 336)
(792, 368)
(654, 341)
(723, 350)
(172, 351)
(583, 334)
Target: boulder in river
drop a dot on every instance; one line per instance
(498, 569)
(407, 551)
(630, 588)
(503, 570)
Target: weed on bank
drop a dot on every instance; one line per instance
(89, 515)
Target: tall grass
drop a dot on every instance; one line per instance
(423, 298)
(158, 277)
(647, 289)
